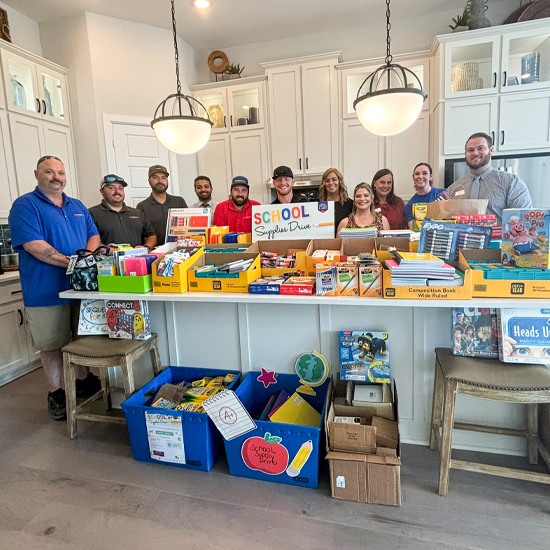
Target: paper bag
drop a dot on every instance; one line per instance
(456, 207)
(93, 318)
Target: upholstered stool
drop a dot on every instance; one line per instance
(486, 379)
(101, 352)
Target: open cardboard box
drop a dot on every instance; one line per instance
(281, 248)
(320, 244)
(499, 288)
(362, 476)
(456, 207)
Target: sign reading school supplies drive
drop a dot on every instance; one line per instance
(305, 220)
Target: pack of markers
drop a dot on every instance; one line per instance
(444, 240)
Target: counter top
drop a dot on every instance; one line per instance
(237, 297)
(9, 276)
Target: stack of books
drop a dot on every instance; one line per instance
(361, 233)
(422, 269)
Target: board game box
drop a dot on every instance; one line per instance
(525, 233)
(524, 336)
(128, 319)
(474, 332)
(364, 356)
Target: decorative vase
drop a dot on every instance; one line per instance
(477, 14)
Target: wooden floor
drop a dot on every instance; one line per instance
(90, 493)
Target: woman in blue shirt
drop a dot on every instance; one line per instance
(422, 182)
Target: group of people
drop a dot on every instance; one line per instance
(47, 227)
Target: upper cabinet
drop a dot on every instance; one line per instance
(303, 113)
(33, 89)
(233, 106)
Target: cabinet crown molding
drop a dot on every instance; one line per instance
(303, 59)
(228, 83)
(8, 46)
(399, 58)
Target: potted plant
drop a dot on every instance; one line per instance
(461, 22)
(234, 71)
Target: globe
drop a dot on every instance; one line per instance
(312, 368)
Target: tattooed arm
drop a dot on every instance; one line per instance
(45, 252)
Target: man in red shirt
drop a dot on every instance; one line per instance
(237, 211)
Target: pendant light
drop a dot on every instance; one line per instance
(390, 99)
(179, 132)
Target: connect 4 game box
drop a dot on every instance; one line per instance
(525, 234)
(364, 356)
(128, 319)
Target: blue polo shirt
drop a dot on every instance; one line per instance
(435, 194)
(34, 217)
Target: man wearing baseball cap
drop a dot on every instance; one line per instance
(283, 181)
(118, 223)
(237, 211)
(159, 202)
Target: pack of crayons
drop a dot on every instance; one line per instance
(444, 240)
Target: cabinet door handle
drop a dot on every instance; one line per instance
(300, 162)
(224, 121)
(231, 120)
(43, 106)
(37, 105)
(502, 140)
(307, 163)
(494, 80)
(17, 292)
(20, 317)
(493, 136)
(504, 79)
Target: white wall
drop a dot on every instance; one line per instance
(23, 30)
(410, 35)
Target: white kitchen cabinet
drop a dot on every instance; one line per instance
(303, 113)
(465, 117)
(32, 138)
(215, 162)
(13, 352)
(8, 186)
(524, 121)
(34, 89)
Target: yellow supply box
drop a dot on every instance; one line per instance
(402, 244)
(229, 282)
(320, 244)
(281, 248)
(463, 292)
(178, 283)
(499, 288)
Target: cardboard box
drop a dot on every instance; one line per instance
(498, 288)
(463, 292)
(370, 281)
(299, 285)
(403, 244)
(236, 282)
(281, 248)
(385, 409)
(320, 244)
(178, 283)
(456, 207)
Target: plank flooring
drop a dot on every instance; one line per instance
(89, 493)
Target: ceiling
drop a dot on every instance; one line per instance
(230, 23)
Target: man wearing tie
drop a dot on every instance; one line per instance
(502, 189)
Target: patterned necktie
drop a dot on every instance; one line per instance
(474, 193)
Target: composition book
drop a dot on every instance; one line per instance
(228, 414)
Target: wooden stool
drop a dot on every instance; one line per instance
(486, 379)
(101, 352)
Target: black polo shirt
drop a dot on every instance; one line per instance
(130, 225)
(157, 213)
(295, 198)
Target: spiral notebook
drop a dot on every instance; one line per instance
(228, 414)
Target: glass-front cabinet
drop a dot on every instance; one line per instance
(233, 107)
(33, 89)
(525, 61)
(472, 67)
(353, 78)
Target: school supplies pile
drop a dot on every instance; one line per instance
(474, 332)
(422, 269)
(272, 259)
(487, 220)
(446, 239)
(165, 267)
(289, 409)
(224, 270)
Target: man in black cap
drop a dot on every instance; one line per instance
(283, 181)
(159, 202)
(237, 211)
(118, 223)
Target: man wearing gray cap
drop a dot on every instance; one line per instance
(118, 223)
(159, 202)
(237, 211)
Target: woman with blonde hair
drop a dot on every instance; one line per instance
(332, 188)
(363, 213)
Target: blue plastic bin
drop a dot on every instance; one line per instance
(278, 456)
(202, 440)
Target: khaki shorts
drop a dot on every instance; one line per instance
(51, 326)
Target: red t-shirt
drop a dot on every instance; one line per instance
(239, 221)
(395, 213)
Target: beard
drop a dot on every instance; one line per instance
(239, 201)
(475, 164)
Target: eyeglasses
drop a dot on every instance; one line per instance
(111, 178)
(47, 157)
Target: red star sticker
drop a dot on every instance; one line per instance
(267, 377)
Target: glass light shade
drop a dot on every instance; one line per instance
(183, 135)
(387, 113)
